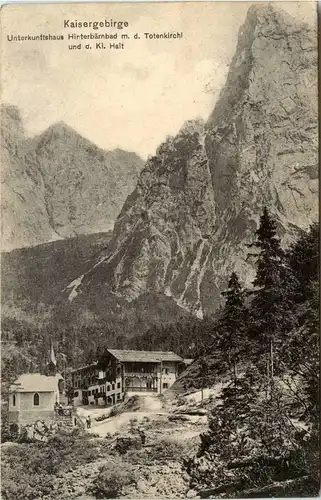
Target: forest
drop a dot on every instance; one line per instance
(263, 437)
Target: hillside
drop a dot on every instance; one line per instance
(40, 273)
(58, 184)
(35, 306)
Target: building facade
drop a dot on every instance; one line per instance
(125, 372)
(34, 397)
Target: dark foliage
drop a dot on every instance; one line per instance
(262, 438)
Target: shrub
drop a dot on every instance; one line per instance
(114, 411)
(29, 469)
(111, 479)
(123, 444)
(102, 417)
(165, 450)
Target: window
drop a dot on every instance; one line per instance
(113, 386)
(108, 388)
(76, 394)
(165, 385)
(118, 385)
(36, 399)
(14, 400)
(89, 393)
(118, 396)
(165, 370)
(97, 391)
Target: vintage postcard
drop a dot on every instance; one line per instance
(159, 250)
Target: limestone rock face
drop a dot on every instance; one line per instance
(197, 202)
(59, 184)
(24, 220)
(262, 137)
(162, 237)
(186, 225)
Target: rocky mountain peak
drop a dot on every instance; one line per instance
(186, 226)
(59, 184)
(60, 129)
(269, 117)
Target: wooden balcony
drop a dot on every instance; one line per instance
(141, 389)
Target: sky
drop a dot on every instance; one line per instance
(129, 98)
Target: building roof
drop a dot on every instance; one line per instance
(85, 367)
(35, 382)
(144, 356)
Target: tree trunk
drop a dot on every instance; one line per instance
(267, 391)
(235, 395)
(272, 366)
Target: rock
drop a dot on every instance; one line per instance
(178, 417)
(141, 485)
(191, 494)
(198, 412)
(43, 200)
(197, 202)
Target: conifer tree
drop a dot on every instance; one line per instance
(270, 305)
(232, 327)
(303, 258)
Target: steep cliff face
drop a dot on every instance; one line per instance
(24, 219)
(85, 185)
(186, 226)
(262, 137)
(161, 239)
(59, 184)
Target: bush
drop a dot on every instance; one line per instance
(123, 444)
(114, 411)
(105, 416)
(180, 401)
(165, 450)
(30, 469)
(111, 479)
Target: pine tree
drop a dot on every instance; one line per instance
(271, 304)
(232, 326)
(233, 318)
(301, 348)
(303, 257)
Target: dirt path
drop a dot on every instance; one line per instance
(150, 406)
(150, 403)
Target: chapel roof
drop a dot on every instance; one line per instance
(35, 382)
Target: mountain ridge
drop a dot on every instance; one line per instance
(59, 184)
